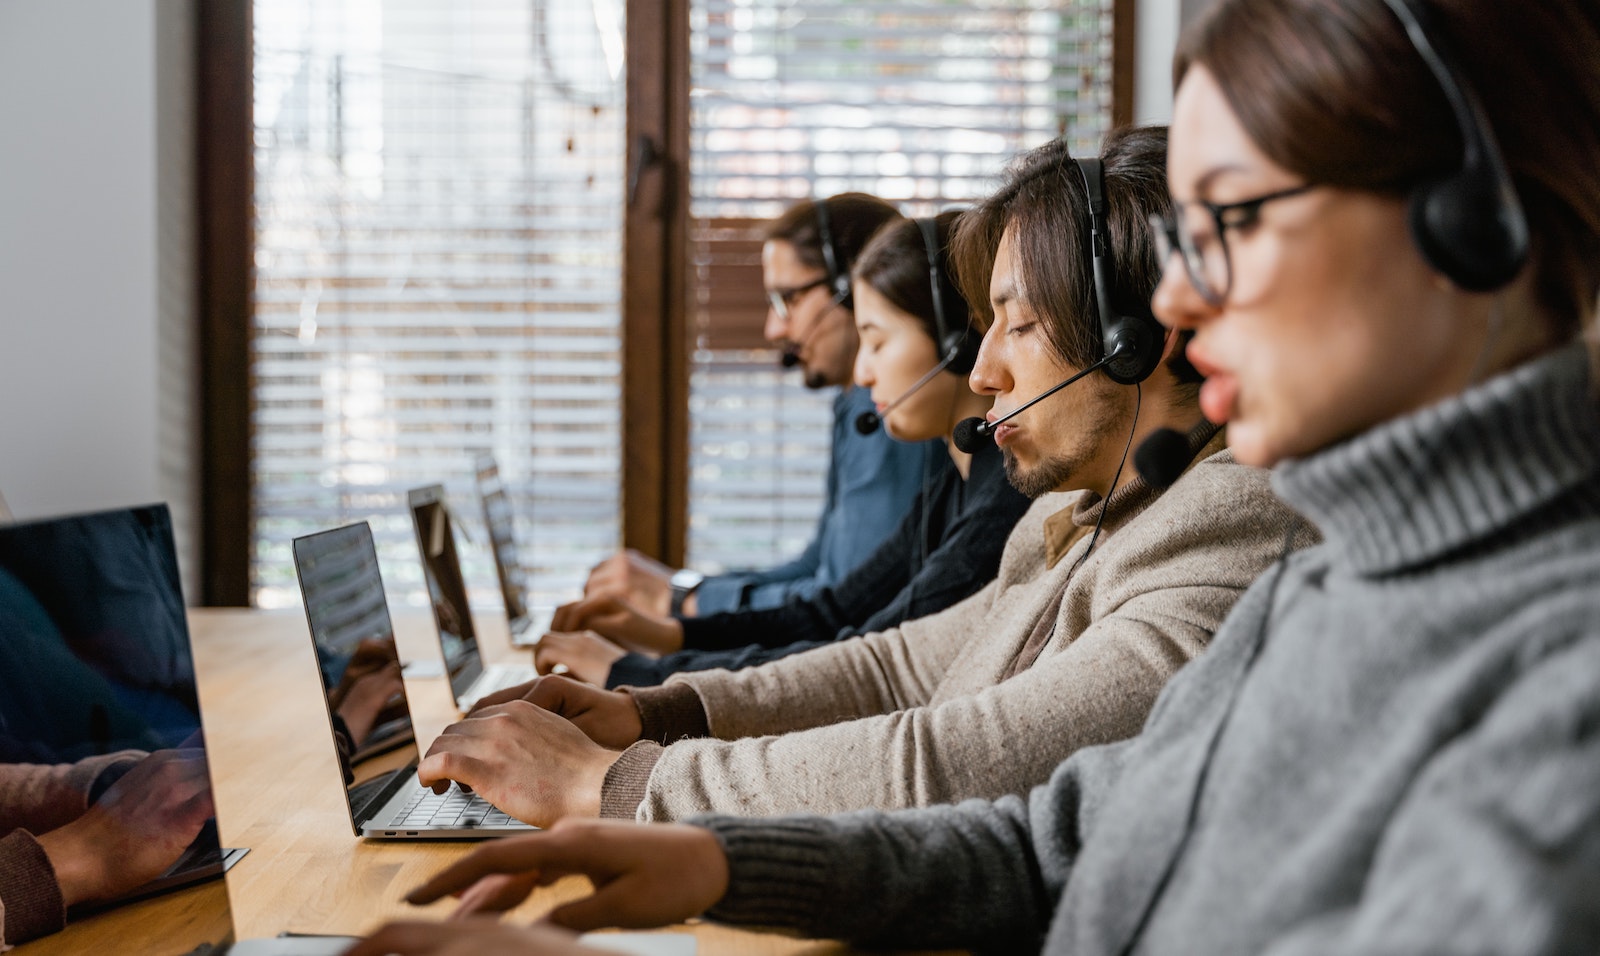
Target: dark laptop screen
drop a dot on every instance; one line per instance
(97, 691)
(356, 654)
(94, 644)
(500, 519)
(447, 589)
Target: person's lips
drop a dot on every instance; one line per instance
(1219, 396)
(1001, 433)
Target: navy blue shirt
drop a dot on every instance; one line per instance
(872, 480)
(944, 551)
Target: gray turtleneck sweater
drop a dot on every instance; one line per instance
(1393, 745)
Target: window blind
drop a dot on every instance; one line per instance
(920, 102)
(437, 276)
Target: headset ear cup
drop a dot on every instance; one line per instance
(1146, 336)
(842, 292)
(1468, 232)
(964, 345)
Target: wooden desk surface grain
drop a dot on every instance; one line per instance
(278, 792)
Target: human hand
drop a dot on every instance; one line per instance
(630, 576)
(610, 718)
(618, 621)
(527, 761)
(135, 831)
(644, 875)
(475, 937)
(586, 655)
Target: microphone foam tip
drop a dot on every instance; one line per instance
(969, 434)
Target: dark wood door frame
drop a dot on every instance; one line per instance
(655, 259)
(224, 140)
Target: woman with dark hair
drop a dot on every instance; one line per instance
(917, 346)
(1386, 244)
(806, 258)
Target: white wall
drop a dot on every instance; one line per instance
(96, 302)
(1157, 25)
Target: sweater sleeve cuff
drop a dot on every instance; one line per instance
(778, 872)
(670, 712)
(28, 887)
(625, 783)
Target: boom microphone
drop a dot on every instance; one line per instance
(868, 422)
(1162, 457)
(970, 432)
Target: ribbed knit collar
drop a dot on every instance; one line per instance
(1432, 483)
(1063, 529)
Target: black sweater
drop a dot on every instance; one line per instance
(947, 548)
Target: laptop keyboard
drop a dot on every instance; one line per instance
(453, 808)
(499, 678)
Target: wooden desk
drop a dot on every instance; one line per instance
(278, 792)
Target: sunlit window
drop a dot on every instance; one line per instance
(438, 195)
(920, 102)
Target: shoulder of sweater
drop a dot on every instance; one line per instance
(1218, 506)
(1220, 481)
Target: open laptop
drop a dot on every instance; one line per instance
(470, 678)
(527, 623)
(95, 661)
(354, 644)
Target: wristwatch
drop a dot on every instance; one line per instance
(683, 582)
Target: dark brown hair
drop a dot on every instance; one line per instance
(1336, 93)
(1043, 201)
(895, 263)
(852, 219)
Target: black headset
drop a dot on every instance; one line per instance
(958, 348)
(838, 279)
(1133, 335)
(1469, 225)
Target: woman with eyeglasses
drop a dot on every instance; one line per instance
(1387, 251)
(918, 343)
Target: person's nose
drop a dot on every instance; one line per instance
(863, 372)
(990, 375)
(776, 327)
(1177, 303)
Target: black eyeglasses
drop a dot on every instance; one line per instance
(1203, 239)
(784, 299)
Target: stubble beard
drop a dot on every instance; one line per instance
(1093, 422)
(1043, 478)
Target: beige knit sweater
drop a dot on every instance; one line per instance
(924, 714)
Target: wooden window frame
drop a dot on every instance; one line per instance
(655, 279)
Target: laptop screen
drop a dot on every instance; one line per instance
(97, 691)
(356, 656)
(447, 589)
(499, 517)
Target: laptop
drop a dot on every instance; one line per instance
(95, 661)
(470, 678)
(353, 641)
(528, 624)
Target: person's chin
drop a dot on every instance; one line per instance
(816, 378)
(1250, 446)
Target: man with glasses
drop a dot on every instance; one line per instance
(805, 267)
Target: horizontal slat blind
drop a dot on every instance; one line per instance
(438, 192)
(920, 102)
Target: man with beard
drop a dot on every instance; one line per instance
(806, 260)
(1108, 585)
